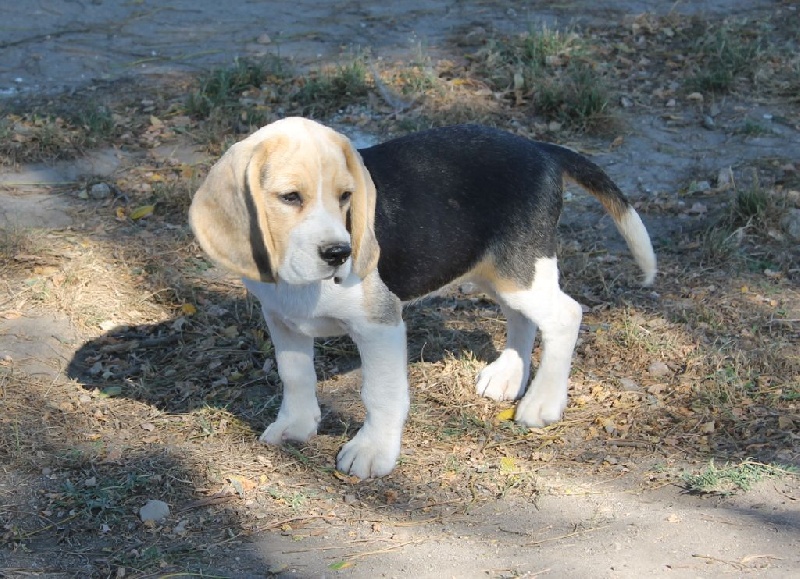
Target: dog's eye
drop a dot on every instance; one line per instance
(292, 198)
(345, 197)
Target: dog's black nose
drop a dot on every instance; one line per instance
(335, 254)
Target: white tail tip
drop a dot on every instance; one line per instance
(635, 234)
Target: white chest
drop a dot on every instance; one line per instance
(318, 310)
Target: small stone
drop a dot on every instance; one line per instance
(629, 385)
(154, 511)
(180, 528)
(264, 39)
(107, 325)
(100, 191)
(658, 368)
(695, 97)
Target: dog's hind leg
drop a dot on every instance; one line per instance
(559, 317)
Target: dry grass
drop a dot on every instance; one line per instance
(167, 396)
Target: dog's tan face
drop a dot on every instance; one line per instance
(277, 206)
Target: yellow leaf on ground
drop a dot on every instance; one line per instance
(505, 415)
(142, 211)
(508, 464)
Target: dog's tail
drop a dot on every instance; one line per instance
(594, 179)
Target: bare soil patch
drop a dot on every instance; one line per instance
(132, 369)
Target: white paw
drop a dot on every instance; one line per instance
(541, 406)
(505, 378)
(369, 455)
(296, 428)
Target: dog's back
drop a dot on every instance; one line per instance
(447, 196)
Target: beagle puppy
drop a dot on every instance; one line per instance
(332, 240)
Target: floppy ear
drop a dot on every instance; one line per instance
(362, 213)
(227, 216)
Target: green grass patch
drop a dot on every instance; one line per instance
(750, 205)
(41, 134)
(724, 55)
(334, 88)
(221, 89)
(553, 72)
(732, 478)
(578, 98)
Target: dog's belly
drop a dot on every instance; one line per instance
(317, 327)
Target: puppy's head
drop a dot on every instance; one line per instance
(292, 202)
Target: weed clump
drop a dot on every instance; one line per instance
(221, 90)
(723, 56)
(553, 72)
(333, 88)
(732, 478)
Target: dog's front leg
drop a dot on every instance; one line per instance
(374, 450)
(299, 415)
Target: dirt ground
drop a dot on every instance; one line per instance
(558, 503)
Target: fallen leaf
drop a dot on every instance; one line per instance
(143, 211)
(508, 464)
(345, 477)
(241, 482)
(339, 565)
(505, 415)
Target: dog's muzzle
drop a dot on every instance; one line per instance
(336, 254)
